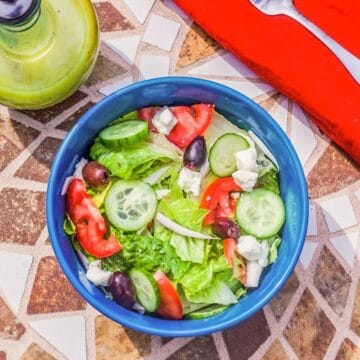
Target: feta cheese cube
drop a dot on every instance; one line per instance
(245, 179)
(97, 275)
(263, 260)
(253, 273)
(249, 248)
(190, 181)
(246, 159)
(164, 121)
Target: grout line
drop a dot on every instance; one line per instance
(221, 346)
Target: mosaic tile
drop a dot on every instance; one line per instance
(51, 291)
(309, 330)
(126, 47)
(275, 352)
(301, 135)
(246, 87)
(46, 115)
(140, 8)
(20, 134)
(281, 301)
(115, 342)
(355, 319)
(71, 120)
(307, 253)
(153, 66)
(20, 265)
(105, 69)
(348, 351)
(196, 46)
(280, 113)
(171, 5)
(161, 32)
(110, 19)
(339, 213)
(346, 245)
(10, 327)
(332, 281)
(66, 334)
(226, 65)
(199, 348)
(2, 355)
(27, 211)
(37, 166)
(312, 226)
(8, 152)
(35, 352)
(109, 89)
(244, 339)
(334, 171)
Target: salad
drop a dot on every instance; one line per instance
(176, 211)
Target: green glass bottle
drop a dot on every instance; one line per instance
(48, 48)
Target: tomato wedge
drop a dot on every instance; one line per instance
(147, 114)
(170, 305)
(232, 257)
(217, 199)
(89, 223)
(192, 121)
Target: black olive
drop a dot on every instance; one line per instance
(122, 289)
(226, 228)
(195, 153)
(95, 174)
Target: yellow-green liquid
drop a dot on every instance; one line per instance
(43, 64)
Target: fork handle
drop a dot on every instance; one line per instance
(351, 62)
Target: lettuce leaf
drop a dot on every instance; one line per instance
(270, 181)
(189, 249)
(132, 162)
(274, 244)
(199, 277)
(183, 211)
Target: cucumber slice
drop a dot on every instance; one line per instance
(130, 205)
(260, 213)
(208, 311)
(147, 291)
(222, 153)
(125, 133)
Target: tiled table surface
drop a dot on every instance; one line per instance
(315, 316)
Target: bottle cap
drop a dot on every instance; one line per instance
(16, 11)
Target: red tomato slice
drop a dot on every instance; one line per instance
(231, 254)
(147, 114)
(170, 304)
(90, 224)
(216, 198)
(192, 121)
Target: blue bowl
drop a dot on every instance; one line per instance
(238, 109)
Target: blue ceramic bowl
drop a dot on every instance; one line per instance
(238, 109)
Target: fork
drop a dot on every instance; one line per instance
(286, 7)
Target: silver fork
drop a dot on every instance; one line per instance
(286, 7)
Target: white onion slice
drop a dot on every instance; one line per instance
(264, 148)
(66, 185)
(140, 309)
(83, 259)
(79, 168)
(155, 176)
(161, 193)
(205, 169)
(171, 225)
(253, 273)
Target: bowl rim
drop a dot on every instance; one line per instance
(171, 332)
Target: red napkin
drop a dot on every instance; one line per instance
(294, 61)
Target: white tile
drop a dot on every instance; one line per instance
(170, 4)
(66, 334)
(307, 253)
(109, 89)
(339, 213)
(280, 113)
(126, 47)
(140, 8)
(226, 65)
(248, 88)
(161, 32)
(346, 245)
(14, 270)
(312, 226)
(302, 136)
(152, 66)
